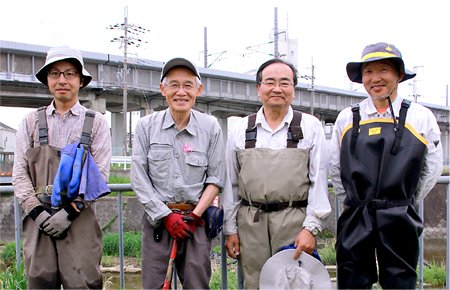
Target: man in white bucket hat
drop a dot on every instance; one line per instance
(62, 244)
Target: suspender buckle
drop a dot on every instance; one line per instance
(378, 204)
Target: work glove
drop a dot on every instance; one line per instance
(74, 184)
(39, 214)
(194, 221)
(59, 222)
(177, 226)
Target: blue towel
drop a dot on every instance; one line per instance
(92, 185)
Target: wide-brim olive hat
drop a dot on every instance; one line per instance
(377, 51)
(64, 52)
(281, 271)
(176, 62)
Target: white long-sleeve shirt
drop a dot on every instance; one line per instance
(314, 140)
(419, 117)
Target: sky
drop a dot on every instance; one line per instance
(330, 34)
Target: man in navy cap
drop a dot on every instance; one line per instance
(385, 157)
(177, 170)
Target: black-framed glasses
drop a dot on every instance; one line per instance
(282, 84)
(68, 74)
(175, 87)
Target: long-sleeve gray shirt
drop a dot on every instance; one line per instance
(163, 171)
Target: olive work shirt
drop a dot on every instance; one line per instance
(172, 166)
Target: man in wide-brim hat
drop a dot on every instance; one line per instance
(386, 155)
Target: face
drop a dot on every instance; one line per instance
(64, 90)
(276, 97)
(380, 78)
(180, 89)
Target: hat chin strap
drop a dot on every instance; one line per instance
(392, 109)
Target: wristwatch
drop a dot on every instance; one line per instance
(313, 230)
(79, 205)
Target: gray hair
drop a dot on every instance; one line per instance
(198, 82)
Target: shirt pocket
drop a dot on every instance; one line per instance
(159, 163)
(196, 164)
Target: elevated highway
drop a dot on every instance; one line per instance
(224, 93)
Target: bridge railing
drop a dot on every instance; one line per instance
(119, 188)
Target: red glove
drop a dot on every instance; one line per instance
(193, 220)
(177, 226)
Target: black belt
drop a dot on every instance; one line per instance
(273, 206)
(47, 200)
(376, 204)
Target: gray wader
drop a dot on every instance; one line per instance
(380, 169)
(272, 180)
(74, 261)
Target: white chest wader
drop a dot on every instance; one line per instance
(274, 187)
(73, 262)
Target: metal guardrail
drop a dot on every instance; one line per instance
(119, 188)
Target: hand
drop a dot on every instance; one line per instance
(192, 220)
(177, 227)
(306, 242)
(59, 222)
(232, 245)
(39, 214)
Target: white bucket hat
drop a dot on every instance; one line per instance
(58, 53)
(283, 272)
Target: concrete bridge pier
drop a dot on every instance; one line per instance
(117, 134)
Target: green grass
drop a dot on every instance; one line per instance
(217, 250)
(131, 244)
(11, 279)
(120, 180)
(328, 253)
(434, 273)
(117, 166)
(216, 279)
(8, 255)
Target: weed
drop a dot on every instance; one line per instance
(13, 279)
(216, 279)
(328, 253)
(131, 244)
(434, 273)
(8, 255)
(217, 249)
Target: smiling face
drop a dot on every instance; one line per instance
(180, 90)
(380, 79)
(64, 90)
(276, 98)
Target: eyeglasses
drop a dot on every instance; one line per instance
(175, 87)
(272, 84)
(68, 74)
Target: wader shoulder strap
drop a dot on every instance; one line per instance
(295, 132)
(42, 125)
(250, 132)
(399, 134)
(355, 130)
(87, 128)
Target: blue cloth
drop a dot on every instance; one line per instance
(291, 246)
(92, 184)
(76, 178)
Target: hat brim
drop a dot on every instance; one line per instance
(280, 260)
(41, 75)
(354, 69)
(176, 62)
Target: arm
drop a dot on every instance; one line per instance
(140, 180)
(433, 162)
(335, 156)
(23, 186)
(101, 145)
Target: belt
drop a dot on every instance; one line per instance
(376, 204)
(47, 189)
(47, 199)
(181, 207)
(273, 206)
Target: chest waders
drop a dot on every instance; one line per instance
(274, 187)
(380, 169)
(73, 262)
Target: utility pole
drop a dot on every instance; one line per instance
(415, 93)
(125, 41)
(275, 33)
(312, 90)
(206, 48)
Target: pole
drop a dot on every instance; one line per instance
(125, 72)
(206, 47)
(312, 87)
(275, 33)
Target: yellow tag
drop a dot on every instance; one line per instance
(374, 131)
